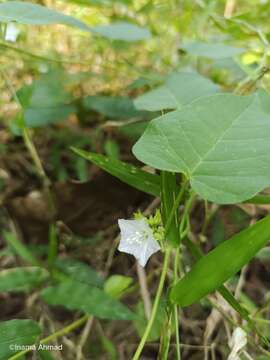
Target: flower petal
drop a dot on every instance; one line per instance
(137, 239)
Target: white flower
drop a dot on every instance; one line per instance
(237, 343)
(137, 239)
(12, 32)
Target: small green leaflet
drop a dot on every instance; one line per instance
(34, 14)
(89, 299)
(129, 174)
(22, 278)
(220, 142)
(211, 50)
(205, 276)
(20, 332)
(179, 89)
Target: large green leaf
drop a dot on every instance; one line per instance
(34, 14)
(220, 142)
(212, 270)
(179, 89)
(22, 278)
(128, 173)
(89, 299)
(211, 50)
(19, 332)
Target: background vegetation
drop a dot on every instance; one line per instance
(63, 88)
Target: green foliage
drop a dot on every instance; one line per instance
(141, 321)
(20, 332)
(225, 154)
(211, 50)
(45, 101)
(20, 249)
(80, 272)
(86, 298)
(129, 174)
(122, 31)
(179, 89)
(34, 14)
(22, 278)
(205, 276)
(116, 285)
(116, 107)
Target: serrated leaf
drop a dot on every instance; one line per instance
(89, 299)
(220, 142)
(22, 278)
(19, 332)
(129, 174)
(211, 50)
(205, 276)
(179, 89)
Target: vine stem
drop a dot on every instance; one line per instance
(148, 328)
(61, 332)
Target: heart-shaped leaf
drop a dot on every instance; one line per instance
(220, 142)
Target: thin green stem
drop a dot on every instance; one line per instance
(148, 328)
(61, 332)
(175, 206)
(175, 309)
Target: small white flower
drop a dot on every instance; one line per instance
(137, 239)
(12, 32)
(237, 343)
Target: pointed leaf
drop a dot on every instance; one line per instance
(179, 89)
(129, 174)
(212, 270)
(220, 142)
